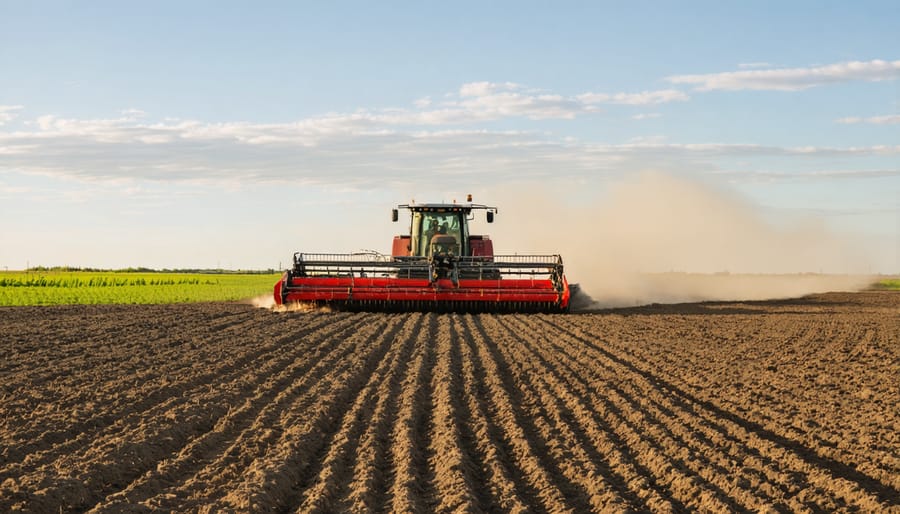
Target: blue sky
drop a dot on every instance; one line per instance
(183, 134)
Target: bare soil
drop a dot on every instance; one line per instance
(778, 406)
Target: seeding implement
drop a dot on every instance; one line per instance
(437, 266)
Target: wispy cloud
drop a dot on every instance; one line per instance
(888, 119)
(473, 103)
(643, 98)
(792, 79)
(646, 116)
(449, 135)
(133, 113)
(9, 113)
(482, 101)
(352, 149)
(486, 100)
(814, 175)
(7, 191)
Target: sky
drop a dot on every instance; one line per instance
(221, 134)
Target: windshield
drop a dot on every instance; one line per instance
(426, 225)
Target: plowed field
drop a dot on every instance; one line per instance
(755, 406)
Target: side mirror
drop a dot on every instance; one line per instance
(394, 215)
(490, 216)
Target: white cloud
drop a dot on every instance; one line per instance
(792, 79)
(647, 140)
(646, 116)
(643, 98)
(487, 88)
(815, 175)
(7, 191)
(17, 149)
(482, 101)
(371, 147)
(358, 149)
(133, 113)
(889, 119)
(509, 104)
(8, 113)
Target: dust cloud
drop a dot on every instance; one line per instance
(300, 307)
(660, 238)
(267, 301)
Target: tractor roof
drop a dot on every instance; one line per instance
(445, 207)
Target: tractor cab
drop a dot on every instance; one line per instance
(439, 230)
(442, 229)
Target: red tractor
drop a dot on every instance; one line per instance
(437, 266)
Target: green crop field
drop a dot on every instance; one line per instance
(891, 284)
(94, 287)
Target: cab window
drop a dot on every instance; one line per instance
(437, 223)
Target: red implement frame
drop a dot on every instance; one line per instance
(543, 289)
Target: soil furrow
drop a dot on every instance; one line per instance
(773, 432)
(275, 482)
(454, 471)
(787, 407)
(849, 487)
(131, 402)
(336, 472)
(84, 350)
(130, 398)
(664, 429)
(260, 392)
(601, 451)
(508, 492)
(409, 491)
(667, 471)
(528, 449)
(141, 439)
(149, 356)
(770, 406)
(740, 450)
(369, 489)
(572, 459)
(258, 431)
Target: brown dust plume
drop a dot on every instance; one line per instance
(661, 238)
